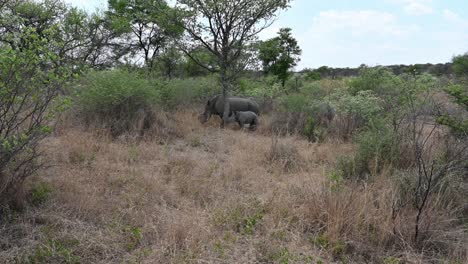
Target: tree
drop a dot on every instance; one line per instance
(225, 28)
(460, 65)
(280, 54)
(142, 27)
(170, 61)
(200, 62)
(80, 38)
(85, 39)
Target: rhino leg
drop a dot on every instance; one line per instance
(221, 125)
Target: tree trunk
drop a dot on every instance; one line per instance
(225, 86)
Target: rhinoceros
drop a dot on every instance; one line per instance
(246, 117)
(215, 106)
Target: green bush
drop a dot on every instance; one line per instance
(295, 103)
(378, 80)
(31, 79)
(264, 88)
(355, 112)
(114, 92)
(313, 75)
(460, 93)
(40, 193)
(314, 90)
(118, 100)
(180, 92)
(460, 65)
(458, 127)
(377, 146)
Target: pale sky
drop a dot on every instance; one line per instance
(347, 33)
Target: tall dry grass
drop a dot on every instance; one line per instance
(214, 195)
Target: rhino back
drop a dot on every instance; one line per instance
(235, 104)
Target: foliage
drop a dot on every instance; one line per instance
(143, 27)
(377, 147)
(30, 81)
(312, 131)
(280, 54)
(77, 38)
(456, 120)
(460, 93)
(354, 112)
(266, 88)
(116, 91)
(225, 29)
(460, 65)
(199, 62)
(117, 99)
(313, 76)
(170, 62)
(378, 80)
(458, 127)
(40, 192)
(181, 92)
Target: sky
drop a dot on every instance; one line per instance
(348, 33)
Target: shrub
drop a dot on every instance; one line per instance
(114, 92)
(354, 112)
(460, 93)
(291, 116)
(29, 88)
(264, 90)
(460, 65)
(313, 75)
(181, 92)
(377, 147)
(40, 193)
(378, 80)
(122, 102)
(314, 90)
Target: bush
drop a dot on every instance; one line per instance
(181, 92)
(354, 112)
(378, 80)
(377, 147)
(121, 101)
(40, 192)
(264, 90)
(314, 90)
(292, 116)
(460, 65)
(29, 88)
(116, 91)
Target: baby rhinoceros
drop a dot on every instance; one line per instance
(246, 117)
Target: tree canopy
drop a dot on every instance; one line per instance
(280, 54)
(142, 27)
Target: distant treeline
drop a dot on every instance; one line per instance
(439, 69)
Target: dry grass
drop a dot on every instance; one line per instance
(210, 196)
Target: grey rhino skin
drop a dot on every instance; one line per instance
(246, 117)
(215, 106)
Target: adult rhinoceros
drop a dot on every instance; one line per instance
(215, 106)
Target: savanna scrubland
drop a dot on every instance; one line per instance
(111, 165)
